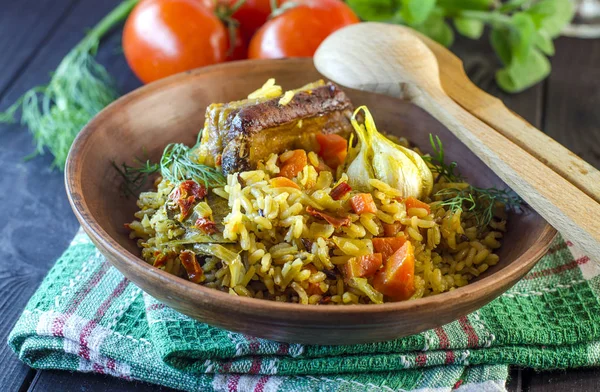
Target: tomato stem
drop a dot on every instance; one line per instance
(236, 6)
(278, 10)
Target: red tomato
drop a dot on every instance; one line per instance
(299, 31)
(252, 15)
(209, 4)
(164, 37)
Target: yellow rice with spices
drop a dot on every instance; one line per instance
(272, 248)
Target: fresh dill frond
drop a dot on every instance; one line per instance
(79, 88)
(437, 162)
(176, 165)
(481, 202)
(135, 177)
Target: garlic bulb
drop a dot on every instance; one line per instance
(380, 158)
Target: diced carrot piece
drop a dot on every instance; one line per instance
(387, 246)
(369, 264)
(397, 279)
(294, 164)
(362, 203)
(391, 230)
(332, 148)
(363, 266)
(412, 202)
(340, 191)
(314, 288)
(282, 182)
(192, 267)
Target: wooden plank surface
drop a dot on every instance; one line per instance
(572, 100)
(24, 32)
(54, 380)
(36, 222)
(42, 32)
(27, 251)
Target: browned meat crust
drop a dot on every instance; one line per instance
(245, 132)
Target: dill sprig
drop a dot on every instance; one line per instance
(437, 162)
(481, 202)
(135, 177)
(177, 165)
(79, 88)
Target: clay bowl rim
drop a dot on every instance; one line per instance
(511, 273)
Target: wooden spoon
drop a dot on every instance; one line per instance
(392, 60)
(494, 113)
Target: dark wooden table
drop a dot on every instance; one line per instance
(36, 222)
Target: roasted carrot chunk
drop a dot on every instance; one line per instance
(362, 203)
(387, 246)
(340, 191)
(333, 149)
(335, 221)
(391, 230)
(294, 164)
(363, 266)
(191, 265)
(282, 182)
(412, 202)
(397, 279)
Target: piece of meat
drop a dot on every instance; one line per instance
(244, 132)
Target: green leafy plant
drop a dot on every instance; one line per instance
(521, 30)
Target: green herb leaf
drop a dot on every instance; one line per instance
(374, 10)
(543, 42)
(500, 40)
(177, 165)
(551, 16)
(415, 12)
(512, 5)
(521, 35)
(135, 177)
(436, 28)
(468, 27)
(452, 6)
(521, 74)
(481, 202)
(437, 162)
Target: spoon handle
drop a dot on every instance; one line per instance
(562, 204)
(493, 112)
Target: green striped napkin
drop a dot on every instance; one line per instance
(87, 317)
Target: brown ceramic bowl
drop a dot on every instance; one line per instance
(172, 110)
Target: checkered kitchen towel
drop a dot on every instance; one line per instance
(87, 317)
